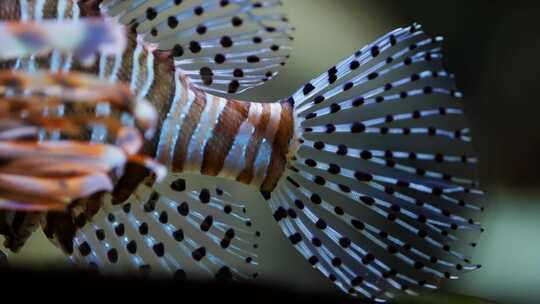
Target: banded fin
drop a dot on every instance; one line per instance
(222, 46)
(45, 162)
(182, 226)
(83, 38)
(381, 192)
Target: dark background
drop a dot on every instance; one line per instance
(493, 47)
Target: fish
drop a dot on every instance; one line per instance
(368, 169)
(43, 174)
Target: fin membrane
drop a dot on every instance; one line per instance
(382, 192)
(222, 46)
(183, 226)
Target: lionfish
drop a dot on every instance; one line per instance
(368, 169)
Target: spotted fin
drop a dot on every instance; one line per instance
(184, 226)
(225, 46)
(381, 193)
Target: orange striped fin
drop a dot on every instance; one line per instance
(80, 93)
(39, 172)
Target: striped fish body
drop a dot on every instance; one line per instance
(10, 10)
(135, 66)
(243, 141)
(368, 168)
(19, 225)
(201, 133)
(191, 124)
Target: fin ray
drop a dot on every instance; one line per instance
(222, 46)
(178, 225)
(381, 194)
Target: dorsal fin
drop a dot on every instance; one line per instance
(222, 46)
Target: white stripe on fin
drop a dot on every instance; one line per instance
(184, 226)
(222, 46)
(382, 194)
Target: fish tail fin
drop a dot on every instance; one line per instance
(381, 192)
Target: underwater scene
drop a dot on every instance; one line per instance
(327, 151)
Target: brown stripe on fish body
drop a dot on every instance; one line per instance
(161, 94)
(10, 10)
(124, 74)
(203, 132)
(179, 106)
(280, 148)
(252, 150)
(90, 8)
(50, 9)
(87, 8)
(134, 175)
(218, 146)
(187, 129)
(264, 155)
